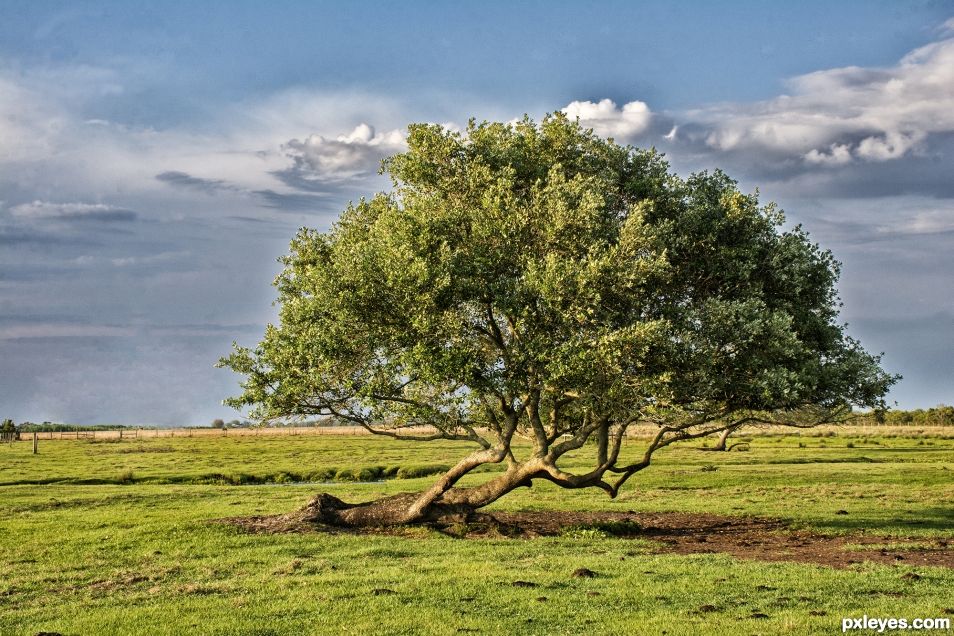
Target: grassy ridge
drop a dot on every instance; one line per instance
(139, 556)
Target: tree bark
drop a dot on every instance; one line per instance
(723, 440)
(454, 504)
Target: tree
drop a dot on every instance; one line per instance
(537, 280)
(8, 431)
(218, 423)
(723, 439)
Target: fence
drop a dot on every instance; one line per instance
(634, 431)
(154, 433)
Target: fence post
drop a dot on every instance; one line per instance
(34, 442)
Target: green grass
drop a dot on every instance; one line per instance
(115, 538)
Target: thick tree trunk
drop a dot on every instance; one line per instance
(456, 504)
(723, 438)
(387, 511)
(721, 444)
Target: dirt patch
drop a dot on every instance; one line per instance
(671, 532)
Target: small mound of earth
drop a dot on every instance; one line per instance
(671, 532)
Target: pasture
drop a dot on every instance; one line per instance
(125, 537)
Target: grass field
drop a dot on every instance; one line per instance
(110, 537)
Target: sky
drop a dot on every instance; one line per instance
(157, 158)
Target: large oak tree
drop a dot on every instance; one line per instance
(536, 280)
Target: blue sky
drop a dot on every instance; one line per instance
(155, 159)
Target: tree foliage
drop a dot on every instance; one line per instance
(940, 415)
(538, 280)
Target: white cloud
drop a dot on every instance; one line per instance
(27, 122)
(59, 330)
(607, 120)
(152, 259)
(836, 154)
(841, 115)
(50, 126)
(358, 153)
(891, 145)
(934, 220)
(71, 211)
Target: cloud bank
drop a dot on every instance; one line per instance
(71, 211)
(844, 115)
(116, 234)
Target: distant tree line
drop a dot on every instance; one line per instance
(940, 415)
(56, 427)
(8, 431)
(219, 423)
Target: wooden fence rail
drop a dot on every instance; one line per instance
(156, 433)
(635, 431)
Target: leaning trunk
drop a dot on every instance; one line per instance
(721, 445)
(723, 439)
(456, 504)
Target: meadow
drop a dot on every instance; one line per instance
(124, 537)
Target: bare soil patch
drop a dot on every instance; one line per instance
(671, 532)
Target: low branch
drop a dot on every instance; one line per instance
(452, 476)
(584, 433)
(471, 436)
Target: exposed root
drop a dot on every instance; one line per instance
(674, 532)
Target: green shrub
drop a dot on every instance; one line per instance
(367, 474)
(602, 530)
(413, 472)
(624, 528)
(345, 474)
(323, 474)
(581, 532)
(239, 479)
